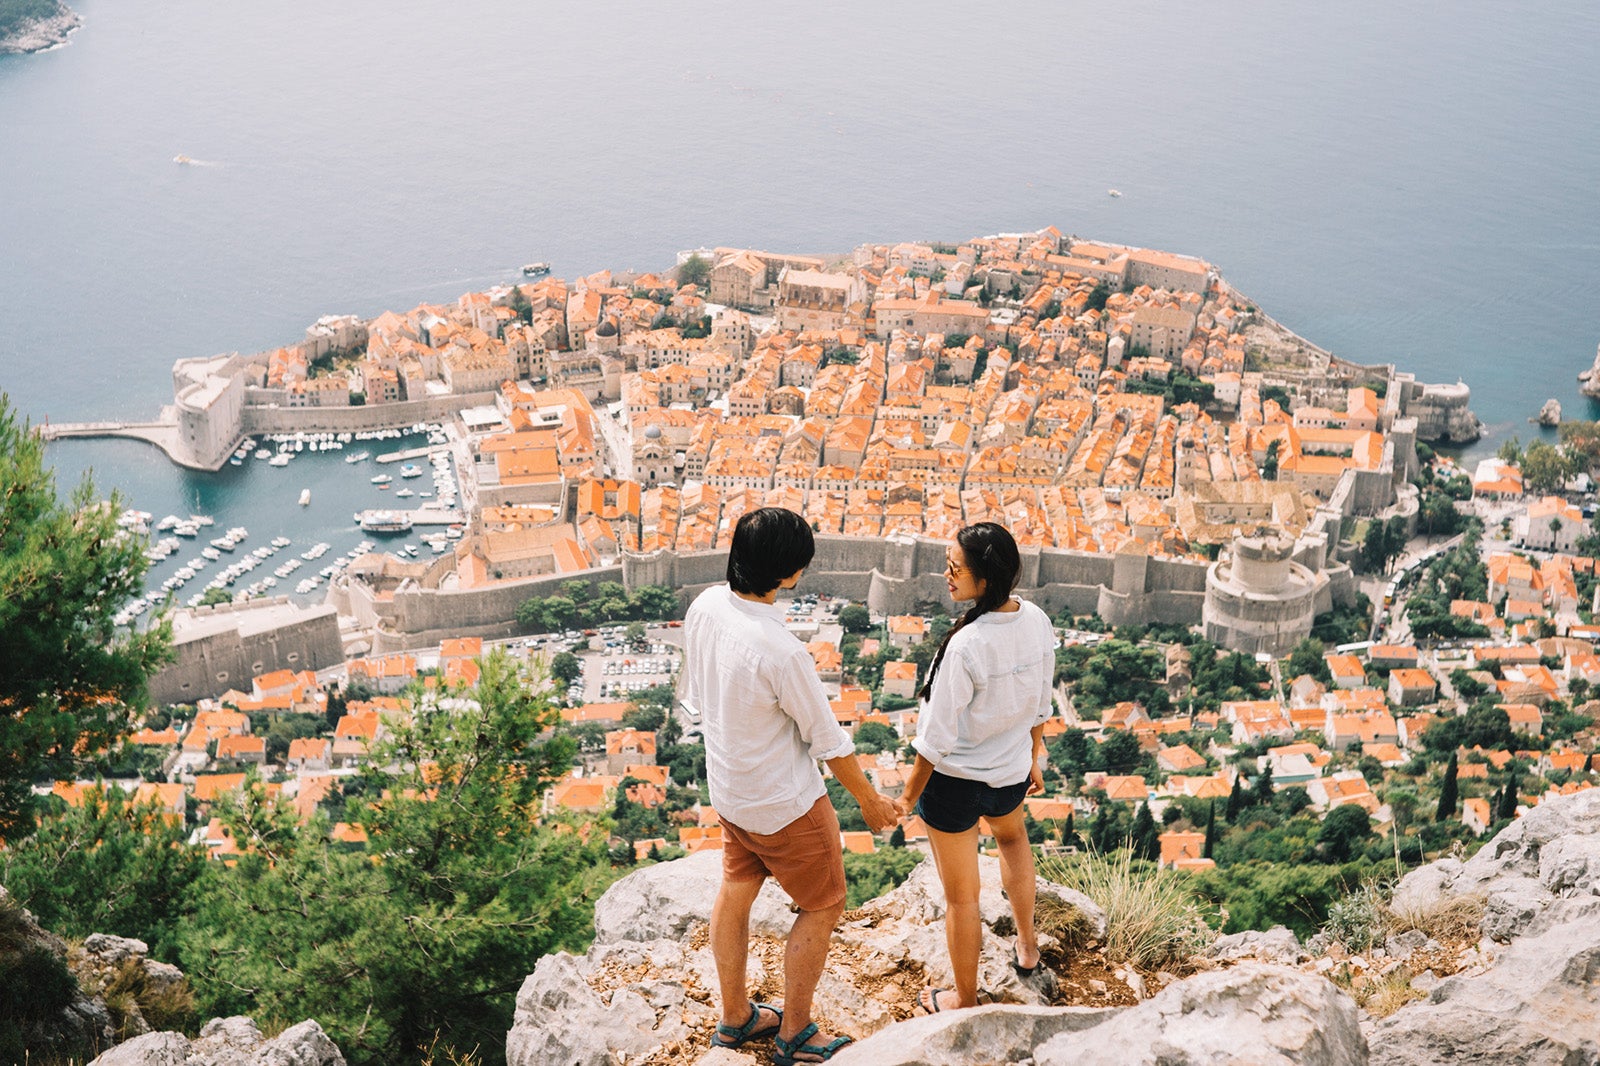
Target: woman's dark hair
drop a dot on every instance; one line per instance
(768, 546)
(992, 556)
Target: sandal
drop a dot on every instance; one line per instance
(1026, 972)
(788, 1049)
(730, 1036)
(928, 1000)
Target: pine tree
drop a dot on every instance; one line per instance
(1211, 828)
(1448, 792)
(1145, 839)
(897, 839)
(1069, 832)
(69, 680)
(1236, 799)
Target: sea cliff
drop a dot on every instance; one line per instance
(35, 25)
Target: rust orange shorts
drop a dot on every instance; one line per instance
(805, 857)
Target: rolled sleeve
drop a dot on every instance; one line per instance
(1047, 707)
(802, 698)
(938, 726)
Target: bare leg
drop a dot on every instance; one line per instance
(956, 855)
(807, 953)
(730, 945)
(1016, 873)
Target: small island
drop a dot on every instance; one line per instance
(35, 25)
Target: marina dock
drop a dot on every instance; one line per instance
(411, 453)
(422, 516)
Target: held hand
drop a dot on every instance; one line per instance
(880, 812)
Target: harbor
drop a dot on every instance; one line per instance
(283, 516)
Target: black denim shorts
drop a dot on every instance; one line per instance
(954, 804)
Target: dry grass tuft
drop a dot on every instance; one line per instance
(1151, 917)
(1449, 919)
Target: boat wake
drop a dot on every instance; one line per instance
(188, 161)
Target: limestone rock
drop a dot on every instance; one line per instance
(1591, 377)
(1277, 945)
(1536, 1007)
(1400, 947)
(1550, 413)
(559, 1018)
(228, 1042)
(981, 1034)
(304, 1044)
(721, 1056)
(1278, 1015)
(662, 901)
(151, 1049)
(1552, 852)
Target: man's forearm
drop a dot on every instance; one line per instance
(851, 776)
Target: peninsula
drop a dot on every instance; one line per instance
(35, 25)
(1163, 449)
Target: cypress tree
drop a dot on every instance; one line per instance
(1263, 788)
(1211, 828)
(1145, 839)
(1448, 792)
(1069, 833)
(1508, 801)
(1100, 830)
(1236, 799)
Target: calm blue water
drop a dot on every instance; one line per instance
(1406, 182)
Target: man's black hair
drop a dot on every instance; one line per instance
(768, 546)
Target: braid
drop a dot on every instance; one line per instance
(994, 597)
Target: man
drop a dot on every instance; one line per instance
(767, 724)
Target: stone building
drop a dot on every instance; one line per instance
(223, 647)
(1258, 599)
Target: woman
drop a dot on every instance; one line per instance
(979, 748)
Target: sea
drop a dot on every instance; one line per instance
(1404, 182)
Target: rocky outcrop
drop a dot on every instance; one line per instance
(1278, 945)
(1266, 1015)
(1550, 413)
(1526, 992)
(56, 1018)
(1551, 853)
(228, 1042)
(119, 970)
(1537, 1006)
(42, 34)
(646, 988)
(983, 1034)
(1590, 378)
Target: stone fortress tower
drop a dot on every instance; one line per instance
(1258, 599)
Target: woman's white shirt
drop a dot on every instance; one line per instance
(992, 688)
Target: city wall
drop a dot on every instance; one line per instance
(896, 575)
(261, 416)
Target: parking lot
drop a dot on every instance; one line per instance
(618, 669)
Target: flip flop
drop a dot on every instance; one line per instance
(928, 999)
(1025, 971)
(730, 1036)
(789, 1049)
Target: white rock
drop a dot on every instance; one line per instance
(988, 1034)
(1537, 1006)
(151, 1049)
(1279, 1015)
(662, 901)
(1278, 945)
